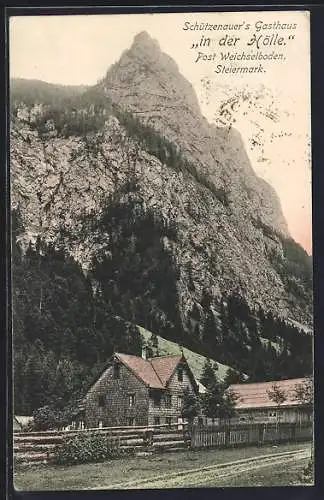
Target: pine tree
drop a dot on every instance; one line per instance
(228, 404)
(208, 376)
(209, 331)
(153, 344)
(233, 377)
(206, 299)
(211, 401)
(57, 315)
(304, 392)
(191, 405)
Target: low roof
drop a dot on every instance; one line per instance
(154, 372)
(16, 425)
(255, 395)
(23, 419)
(201, 388)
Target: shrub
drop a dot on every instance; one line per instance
(307, 475)
(87, 447)
(48, 418)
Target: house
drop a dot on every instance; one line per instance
(133, 390)
(255, 405)
(21, 422)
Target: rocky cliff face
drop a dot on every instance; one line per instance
(148, 83)
(220, 246)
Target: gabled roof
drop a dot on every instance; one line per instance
(142, 368)
(154, 372)
(165, 367)
(255, 395)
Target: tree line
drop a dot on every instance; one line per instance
(65, 328)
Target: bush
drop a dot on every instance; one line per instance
(307, 475)
(87, 447)
(48, 418)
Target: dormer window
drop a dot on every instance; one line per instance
(116, 370)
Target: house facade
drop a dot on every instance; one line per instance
(255, 406)
(133, 391)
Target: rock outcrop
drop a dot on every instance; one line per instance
(221, 247)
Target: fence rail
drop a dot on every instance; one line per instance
(125, 428)
(39, 446)
(35, 447)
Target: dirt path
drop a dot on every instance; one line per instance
(205, 476)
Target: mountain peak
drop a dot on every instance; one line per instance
(148, 49)
(144, 40)
(153, 75)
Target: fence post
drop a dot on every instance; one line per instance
(278, 433)
(261, 433)
(187, 435)
(227, 436)
(250, 432)
(148, 439)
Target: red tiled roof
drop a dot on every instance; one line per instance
(142, 368)
(154, 372)
(255, 395)
(165, 366)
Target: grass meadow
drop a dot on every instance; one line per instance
(113, 474)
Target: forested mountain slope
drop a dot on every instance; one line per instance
(131, 209)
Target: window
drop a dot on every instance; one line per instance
(131, 421)
(168, 400)
(179, 404)
(157, 400)
(168, 420)
(156, 420)
(101, 401)
(131, 400)
(272, 413)
(180, 374)
(116, 370)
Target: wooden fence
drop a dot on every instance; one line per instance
(249, 434)
(36, 447)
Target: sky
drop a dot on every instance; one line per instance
(79, 50)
